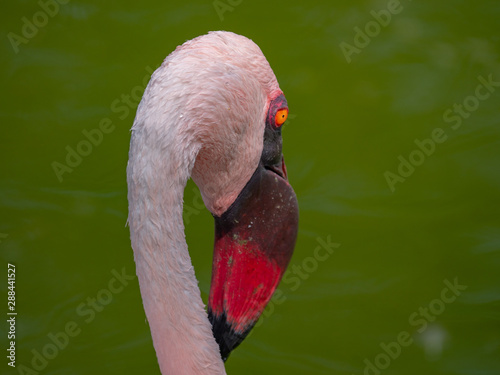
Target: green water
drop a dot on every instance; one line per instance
(392, 147)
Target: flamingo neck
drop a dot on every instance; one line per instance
(182, 335)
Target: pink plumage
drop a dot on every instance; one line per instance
(203, 115)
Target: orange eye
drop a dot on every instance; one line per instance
(281, 116)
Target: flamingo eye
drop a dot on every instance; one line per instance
(281, 116)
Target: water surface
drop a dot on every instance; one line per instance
(399, 181)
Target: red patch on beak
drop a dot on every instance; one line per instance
(243, 283)
(254, 242)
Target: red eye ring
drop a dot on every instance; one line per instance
(281, 116)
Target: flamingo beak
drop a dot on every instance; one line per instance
(254, 241)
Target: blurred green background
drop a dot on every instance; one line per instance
(362, 94)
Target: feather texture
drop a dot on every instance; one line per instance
(202, 116)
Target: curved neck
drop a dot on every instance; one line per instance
(182, 335)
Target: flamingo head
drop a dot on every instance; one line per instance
(226, 111)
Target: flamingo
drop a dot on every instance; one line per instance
(213, 111)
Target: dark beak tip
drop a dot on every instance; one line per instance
(225, 336)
